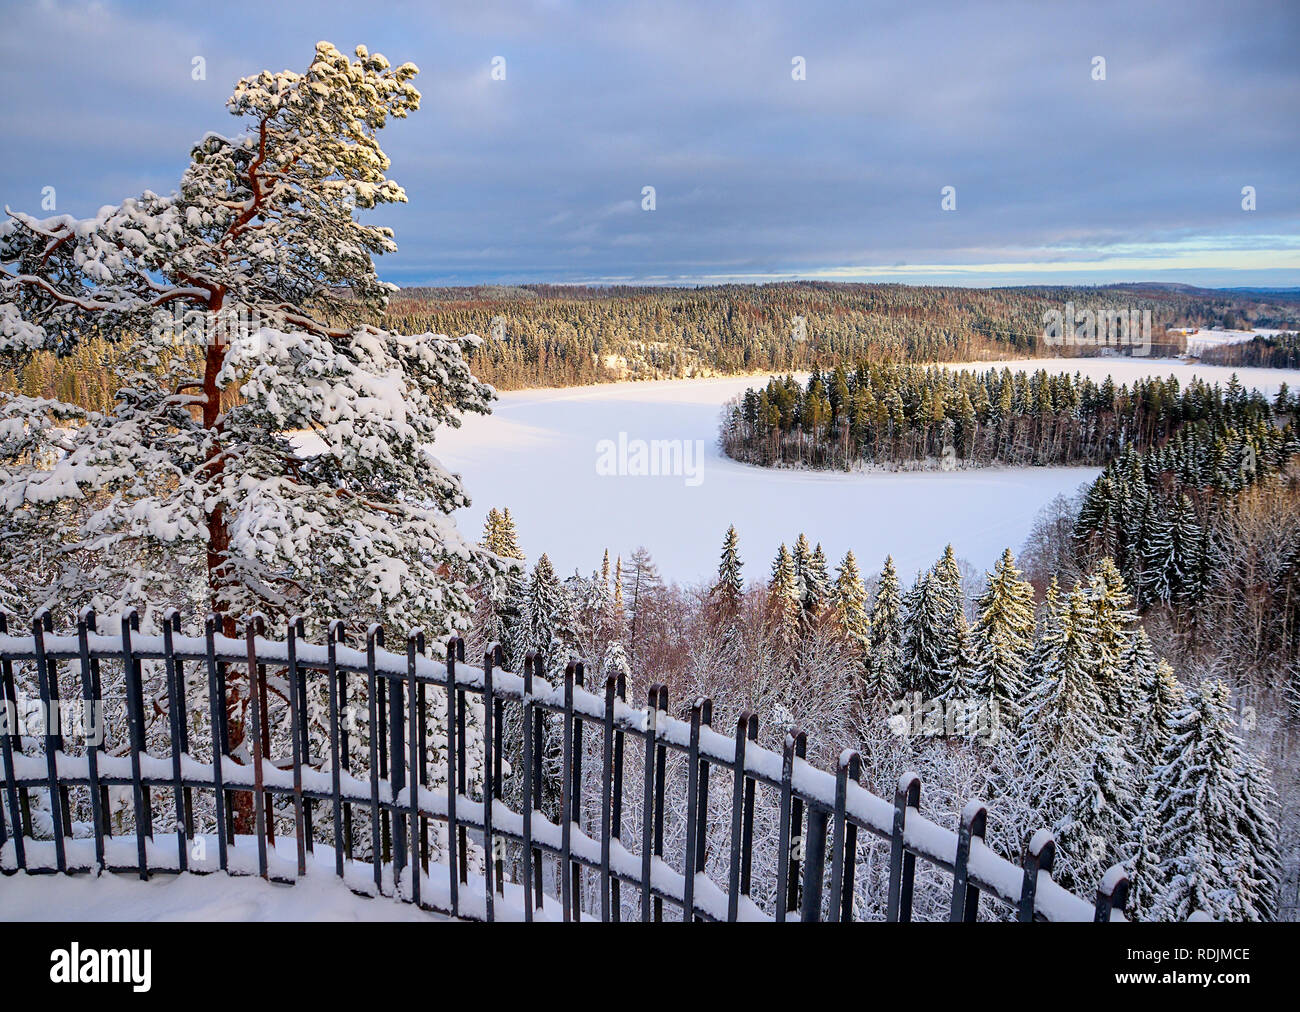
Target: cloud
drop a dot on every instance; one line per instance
(538, 177)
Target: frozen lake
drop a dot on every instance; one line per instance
(538, 454)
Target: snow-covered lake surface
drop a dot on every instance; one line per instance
(538, 454)
(1199, 341)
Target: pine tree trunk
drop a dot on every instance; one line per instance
(218, 545)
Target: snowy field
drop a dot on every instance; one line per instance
(1200, 340)
(538, 454)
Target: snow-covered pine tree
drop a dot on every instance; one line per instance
(816, 589)
(928, 641)
(260, 250)
(1061, 715)
(544, 626)
(1112, 621)
(1142, 861)
(724, 597)
(1159, 697)
(236, 304)
(507, 539)
(545, 621)
(885, 668)
(783, 599)
(499, 535)
(1197, 806)
(849, 606)
(1260, 875)
(1003, 637)
(948, 573)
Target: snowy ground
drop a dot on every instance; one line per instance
(1199, 340)
(537, 453)
(191, 898)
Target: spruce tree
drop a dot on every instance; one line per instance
(885, 667)
(491, 527)
(1197, 806)
(812, 582)
(928, 641)
(1003, 637)
(849, 606)
(948, 573)
(1112, 618)
(1158, 700)
(1143, 864)
(1260, 875)
(783, 599)
(1098, 819)
(1061, 716)
(963, 668)
(545, 622)
(544, 626)
(816, 589)
(1159, 562)
(615, 662)
(506, 542)
(725, 595)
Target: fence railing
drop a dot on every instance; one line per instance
(820, 814)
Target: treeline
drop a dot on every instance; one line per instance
(1277, 351)
(549, 335)
(904, 415)
(540, 335)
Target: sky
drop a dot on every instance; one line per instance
(1059, 175)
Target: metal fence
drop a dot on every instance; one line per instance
(821, 814)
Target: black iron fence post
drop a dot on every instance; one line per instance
(902, 862)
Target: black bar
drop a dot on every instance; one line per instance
(333, 639)
(135, 714)
(11, 743)
(94, 705)
(217, 716)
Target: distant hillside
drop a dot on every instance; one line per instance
(555, 335)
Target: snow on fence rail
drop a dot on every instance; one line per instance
(820, 813)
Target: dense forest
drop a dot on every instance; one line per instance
(548, 336)
(1273, 351)
(555, 336)
(1062, 716)
(908, 415)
